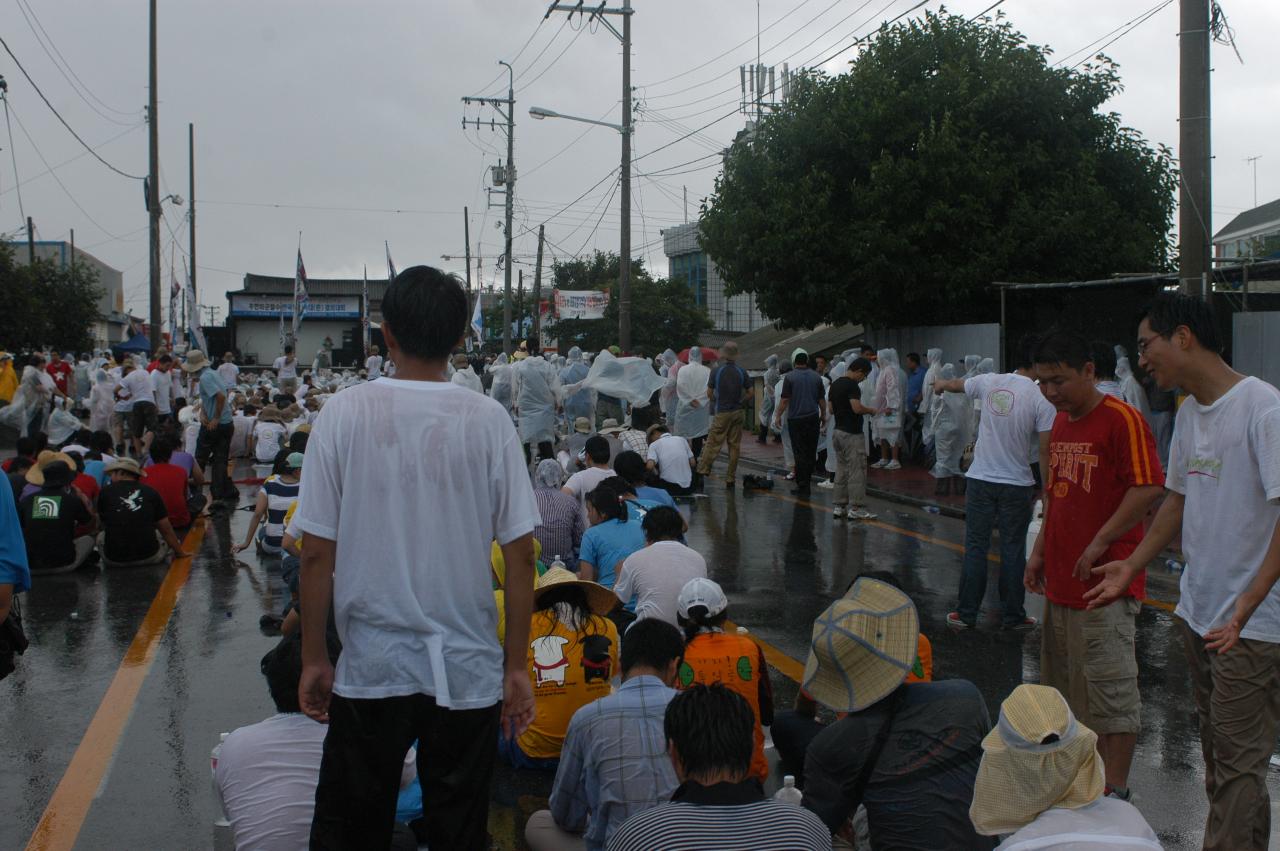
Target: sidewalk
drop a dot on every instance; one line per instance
(911, 485)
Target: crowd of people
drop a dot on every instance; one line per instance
(562, 624)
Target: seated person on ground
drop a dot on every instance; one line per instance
(612, 537)
(563, 522)
(17, 476)
(1041, 781)
(573, 654)
(51, 516)
(614, 762)
(631, 466)
(583, 482)
(84, 482)
(671, 457)
(655, 575)
(498, 567)
(792, 731)
(274, 498)
(908, 752)
(719, 803)
(171, 482)
(266, 772)
(712, 655)
(268, 435)
(135, 523)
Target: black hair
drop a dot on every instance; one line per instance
(83, 437)
(630, 466)
(713, 730)
(597, 449)
(58, 475)
(78, 460)
(1024, 353)
(663, 523)
(101, 442)
(162, 449)
(1168, 312)
(651, 642)
(915, 356)
(282, 666)
(20, 464)
(1063, 347)
(605, 500)
(250, 410)
(860, 365)
(801, 359)
(42, 441)
(699, 620)
(1103, 356)
(618, 485)
(867, 347)
(575, 597)
(645, 416)
(27, 447)
(288, 350)
(278, 465)
(164, 359)
(426, 310)
(298, 441)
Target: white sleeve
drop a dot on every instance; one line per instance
(320, 499)
(515, 510)
(975, 387)
(1265, 435)
(1175, 477)
(1046, 413)
(622, 586)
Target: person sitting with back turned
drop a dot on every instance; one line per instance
(656, 574)
(1041, 781)
(614, 762)
(671, 457)
(909, 753)
(170, 481)
(135, 523)
(266, 773)
(50, 517)
(718, 803)
(584, 481)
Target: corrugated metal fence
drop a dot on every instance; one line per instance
(1256, 345)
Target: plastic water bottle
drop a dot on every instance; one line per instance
(219, 808)
(742, 630)
(557, 562)
(789, 794)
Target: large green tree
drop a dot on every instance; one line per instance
(951, 154)
(46, 304)
(663, 312)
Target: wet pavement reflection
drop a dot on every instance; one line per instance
(780, 560)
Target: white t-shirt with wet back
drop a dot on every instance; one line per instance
(1225, 459)
(671, 453)
(1014, 413)
(655, 575)
(415, 480)
(229, 373)
(285, 367)
(373, 367)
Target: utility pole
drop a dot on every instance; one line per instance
(1253, 161)
(31, 242)
(73, 253)
(537, 290)
(507, 179)
(191, 213)
(520, 305)
(466, 236)
(1195, 214)
(624, 250)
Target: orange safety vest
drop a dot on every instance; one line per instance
(738, 663)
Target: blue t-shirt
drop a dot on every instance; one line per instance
(210, 386)
(656, 495)
(605, 545)
(97, 470)
(13, 549)
(915, 386)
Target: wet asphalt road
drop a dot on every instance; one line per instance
(781, 561)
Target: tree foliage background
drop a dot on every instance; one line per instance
(663, 312)
(950, 155)
(46, 305)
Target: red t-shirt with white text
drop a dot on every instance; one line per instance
(1093, 462)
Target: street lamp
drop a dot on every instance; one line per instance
(624, 251)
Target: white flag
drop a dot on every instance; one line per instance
(477, 321)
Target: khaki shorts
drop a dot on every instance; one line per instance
(1089, 657)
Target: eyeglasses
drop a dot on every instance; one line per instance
(1144, 342)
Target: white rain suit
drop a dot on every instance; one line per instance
(770, 379)
(580, 403)
(535, 386)
(500, 388)
(1130, 388)
(693, 408)
(889, 393)
(951, 416)
(931, 375)
(467, 378)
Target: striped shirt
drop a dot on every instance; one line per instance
(280, 495)
(560, 531)
(726, 817)
(614, 762)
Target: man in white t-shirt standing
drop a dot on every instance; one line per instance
(286, 367)
(998, 489)
(1224, 496)
(399, 513)
(373, 364)
(162, 387)
(228, 371)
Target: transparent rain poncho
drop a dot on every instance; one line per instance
(950, 414)
(931, 375)
(629, 379)
(1130, 389)
(535, 385)
(582, 402)
(500, 388)
(667, 398)
(770, 379)
(693, 409)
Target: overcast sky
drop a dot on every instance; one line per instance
(342, 120)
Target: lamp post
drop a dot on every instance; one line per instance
(624, 251)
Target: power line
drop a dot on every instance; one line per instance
(552, 63)
(1133, 25)
(83, 143)
(78, 156)
(519, 53)
(13, 153)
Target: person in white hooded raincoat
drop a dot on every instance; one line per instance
(535, 387)
(890, 392)
(693, 409)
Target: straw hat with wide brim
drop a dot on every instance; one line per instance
(863, 647)
(195, 361)
(610, 426)
(35, 475)
(599, 598)
(1038, 756)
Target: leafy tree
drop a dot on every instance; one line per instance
(663, 312)
(950, 155)
(47, 305)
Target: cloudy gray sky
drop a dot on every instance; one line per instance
(342, 120)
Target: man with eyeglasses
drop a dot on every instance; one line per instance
(1224, 498)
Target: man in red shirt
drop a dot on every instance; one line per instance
(61, 370)
(1103, 476)
(170, 481)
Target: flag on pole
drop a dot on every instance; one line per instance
(391, 267)
(283, 338)
(197, 333)
(364, 309)
(477, 320)
(175, 333)
(299, 294)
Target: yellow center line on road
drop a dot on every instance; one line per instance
(64, 816)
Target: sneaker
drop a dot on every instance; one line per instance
(893, 465)
(827, 484)
(880, 465)
(861, 514)
(1025, 624)
(954, 621)
(838, 512)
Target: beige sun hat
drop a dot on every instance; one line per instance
(863, 647)
(610, 426)
(1038, 756)
(582, 425)
(35, 474)
(599, 598)
(195, 361)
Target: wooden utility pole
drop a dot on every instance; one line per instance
(31, 242)
(537, 290)
(191, 213)
(520, 307)
(1195, 214)
(466, 237)
(153, 191)
(73, 254)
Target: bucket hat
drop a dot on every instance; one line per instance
(195, 361)
(36, 473)
(599, 598)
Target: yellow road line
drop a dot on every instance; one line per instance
(790, 668)
(60, 825)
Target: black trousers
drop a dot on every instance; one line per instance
(213, 447)
(360, 772)
(792, 733)
(804, 445)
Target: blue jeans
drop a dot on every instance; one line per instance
(509, 750)
(988, 505)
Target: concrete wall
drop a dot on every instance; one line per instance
(956, 341)
(1256, 345)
